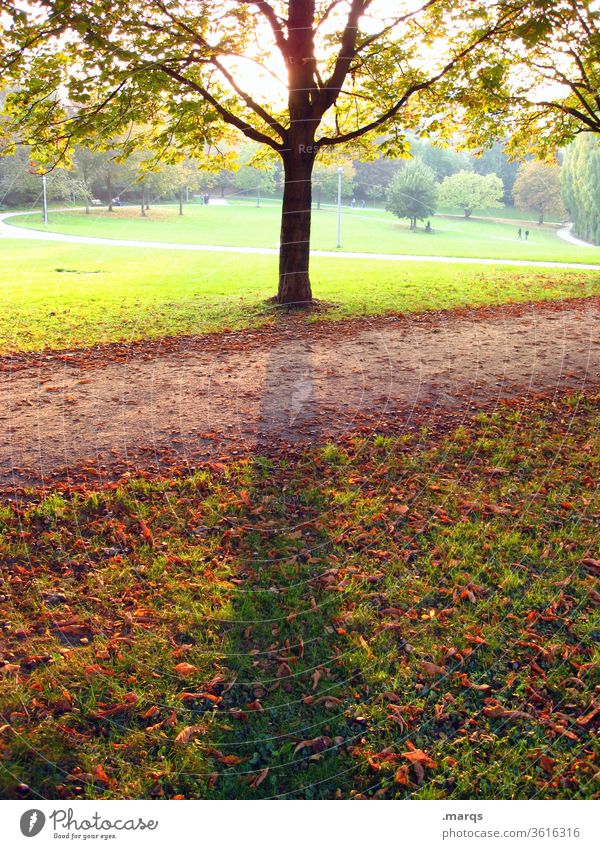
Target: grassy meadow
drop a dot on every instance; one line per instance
(242, 224)
(57, 295)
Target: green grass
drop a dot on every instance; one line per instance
(391, 617)
(241, 224)
(59, 295)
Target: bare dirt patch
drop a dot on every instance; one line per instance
(186, 400)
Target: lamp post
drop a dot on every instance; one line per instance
(339, 208)
(44, 202)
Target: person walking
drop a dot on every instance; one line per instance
(526, 234)
(519, 232)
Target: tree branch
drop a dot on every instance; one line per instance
(269, 13)
(329, 93)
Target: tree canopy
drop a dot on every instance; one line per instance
(413, 192)
(537, 187)
(539, 83)
(581, 186)
(470, 191)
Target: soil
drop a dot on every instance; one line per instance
(178, 402)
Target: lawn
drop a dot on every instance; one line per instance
(60, 295)
(242, 224)
(390, 617)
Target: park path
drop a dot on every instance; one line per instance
(13, 231)
(201, 398)
(565, 233)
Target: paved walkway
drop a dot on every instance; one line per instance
(13, 231)
(565, 234)
(200, 398)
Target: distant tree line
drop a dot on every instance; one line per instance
(243, 170)
(411, 188)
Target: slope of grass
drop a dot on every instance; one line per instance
(61, 295)
(387, 617)
(373, 231)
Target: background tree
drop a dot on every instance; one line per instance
(373, 176)
(413, 193)
(342, 70)
(581, 186)
(89, 167)
(18, 186)
(256, 174)
(493, 160)
(187, 177)
(537, 187)
(325, 180)
(443, 161)
(470, 191)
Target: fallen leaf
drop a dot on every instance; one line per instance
(190, 732)
(186, 669)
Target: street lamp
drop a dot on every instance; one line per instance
(39, 172)
(44, 201)
(339, 216)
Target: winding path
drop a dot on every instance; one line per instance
(13, 231)
(566, 235)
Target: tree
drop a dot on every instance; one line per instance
(537, 187)
(115, 174)
(373, 176)
(81, 70)
(494, 160)
(470, 191)
(325, 180)
(17, 184)
(413, 193)
(541, 85)
(89, 167)
(442, 160)
(256, 174)
(581, 186)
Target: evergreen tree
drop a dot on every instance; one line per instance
(581, 186)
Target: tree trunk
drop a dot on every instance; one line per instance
(109, 192)
(142, 206)
(181, 201)
(541, 218)
(294, 247)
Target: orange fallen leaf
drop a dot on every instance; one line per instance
(190, 732)
(432, 668)
(186, 669)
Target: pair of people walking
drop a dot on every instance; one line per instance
(520, 234)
